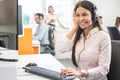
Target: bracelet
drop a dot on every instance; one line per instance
(84, 73)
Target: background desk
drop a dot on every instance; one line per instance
(42, 60)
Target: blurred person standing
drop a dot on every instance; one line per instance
(117, 23)
(100, 20)
(51, 19)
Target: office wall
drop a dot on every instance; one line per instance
(109, 9)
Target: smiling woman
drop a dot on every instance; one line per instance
(91, 52)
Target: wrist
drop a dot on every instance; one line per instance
(85, 73)
(75, 27)
(78, 74)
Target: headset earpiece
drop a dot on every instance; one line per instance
(95, 15)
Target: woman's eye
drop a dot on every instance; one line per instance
(77, 15)
(84, 14)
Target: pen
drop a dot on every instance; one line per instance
(9, 60)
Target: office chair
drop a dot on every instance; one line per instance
(2, 44)
(114, 33)
(114, 73)
(49, 48)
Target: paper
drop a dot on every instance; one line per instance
(8, 55)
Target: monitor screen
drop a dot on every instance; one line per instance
(20, 25)
(8, 16)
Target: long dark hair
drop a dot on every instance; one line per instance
(92, 8)
(117, 23)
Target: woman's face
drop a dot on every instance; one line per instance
(51, 10)
(84, 17)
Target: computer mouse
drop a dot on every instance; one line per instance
(31, 64)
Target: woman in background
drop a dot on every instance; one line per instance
(90, 45)
(100, 20)
(51, 19)
(117, 23)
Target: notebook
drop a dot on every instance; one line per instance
(8, 55)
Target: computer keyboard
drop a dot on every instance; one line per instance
(48, 73)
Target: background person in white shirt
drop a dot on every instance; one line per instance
(51, 19)
(90, 45)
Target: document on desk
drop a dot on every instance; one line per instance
(1, 48)
(42, 60)
(8, 55)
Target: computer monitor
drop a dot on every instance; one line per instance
(20, 24)
(8, 16)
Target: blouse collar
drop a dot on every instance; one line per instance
(93, 31)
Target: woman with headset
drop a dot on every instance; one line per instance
(90, 45)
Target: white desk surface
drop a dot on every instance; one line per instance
(8, 54)
(35, 42)
(42, 60)
(8, 69)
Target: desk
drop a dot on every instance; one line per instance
(36, 46)
(42, 60)
(8, 70)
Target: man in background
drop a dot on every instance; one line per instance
(41, 33)
(100, 20)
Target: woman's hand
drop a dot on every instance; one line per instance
(49, 21)
(52, 20)
(70, 71)
(74, 28)
(75, 20)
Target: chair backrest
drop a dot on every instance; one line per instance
(51, 37)
(114, 73)
(2, 44)
(114, 33)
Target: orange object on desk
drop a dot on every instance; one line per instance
(25, 43)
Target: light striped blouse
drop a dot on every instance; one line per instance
(93, 55)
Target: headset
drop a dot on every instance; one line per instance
(94, 15)
(41, 16)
